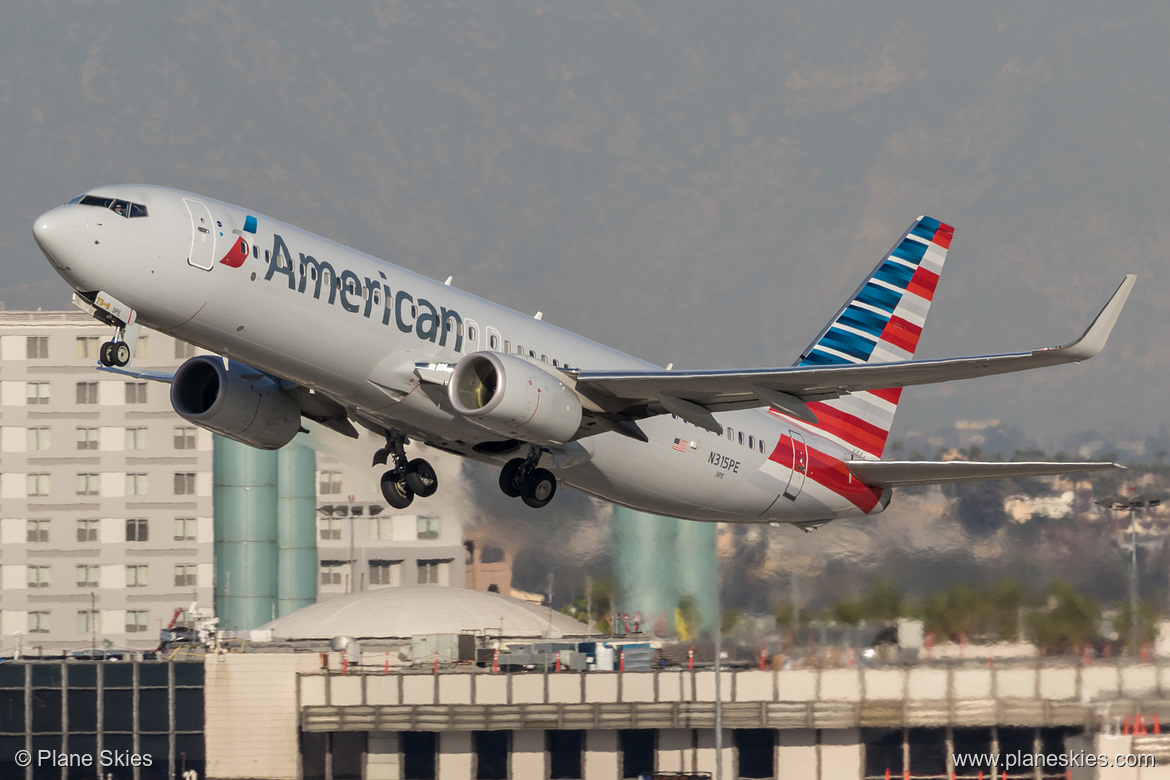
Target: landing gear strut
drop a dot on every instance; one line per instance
(408, 478)
(520, 478)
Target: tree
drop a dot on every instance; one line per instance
(1071, 620)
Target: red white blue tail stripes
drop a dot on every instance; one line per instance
(882, 322)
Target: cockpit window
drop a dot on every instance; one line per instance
(122, 208)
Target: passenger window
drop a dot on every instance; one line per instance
(267, 256)
(255, 251)
(302, 269)
(495, 342)
(413, 312)
(544, 358)
(751, 442)
(731, 434)
(531, 353)
(507, 346)
(519, 350)
(761, 445)
(471, 333)
(741, 437)
(555, 363)
(377, 298)
(312, 272)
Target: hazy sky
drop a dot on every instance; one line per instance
(693, 182)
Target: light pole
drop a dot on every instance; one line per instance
(1132, 506)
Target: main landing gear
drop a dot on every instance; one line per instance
(521, 478)
(114, 353)
(408, 478)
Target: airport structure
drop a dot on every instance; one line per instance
(548, 701)
(108, 500)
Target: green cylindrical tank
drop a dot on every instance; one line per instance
(643, 549)
(244, 497)
(698, 569)
(666, 569)
(296, 528)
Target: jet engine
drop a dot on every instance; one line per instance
(235, 401)
(511, 396)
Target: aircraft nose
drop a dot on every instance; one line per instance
(60, 233)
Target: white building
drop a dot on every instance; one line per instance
(106, 499)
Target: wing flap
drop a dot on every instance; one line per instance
(901, 473)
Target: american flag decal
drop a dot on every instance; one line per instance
(680, 445)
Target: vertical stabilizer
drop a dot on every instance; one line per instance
(881, 322)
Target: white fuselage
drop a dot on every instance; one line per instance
(353, 327)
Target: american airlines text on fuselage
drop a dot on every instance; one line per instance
(434, 324)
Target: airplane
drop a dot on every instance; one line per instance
(302, 327)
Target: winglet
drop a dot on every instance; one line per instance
(1092, 341)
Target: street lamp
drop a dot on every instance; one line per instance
(1132, 506)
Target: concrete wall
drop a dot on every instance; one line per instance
(252, 706)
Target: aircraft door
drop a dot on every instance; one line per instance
(799, 466)
(202, 252)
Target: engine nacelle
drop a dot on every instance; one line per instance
(235, 401)
(511, 396)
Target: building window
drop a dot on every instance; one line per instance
(329, 483)
(136, 392)
(329, 528)
(38, 576)
(37, 530)
(37, 485)
(186, 575)
(37, 438)
(637, 749)
(331, 572)
(88, 621)
(87, 438)
(385, 572)
(184, 350)
(87, 575)
(142, 347)
(185, 437)
(428, 527)
(137, 530)
(185, 529)
(491, 754)
(136, 438)
(757, 752)
(37, 347)
(419, 749)
(136, 575)
(564, 752)
(136, 485)
(382, 528)
(37, 393)
(87, 392)
(87, 347)
(89, 484)
(136, 621)
(184, 483)
(38, 622)
(432, 572)
(87, 530)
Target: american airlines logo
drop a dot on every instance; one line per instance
(365, 297)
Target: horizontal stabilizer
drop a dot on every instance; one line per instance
(900, 473)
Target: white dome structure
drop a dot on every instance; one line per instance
(423, 609)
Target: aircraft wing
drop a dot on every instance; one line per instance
(897, 473)
(693, 395)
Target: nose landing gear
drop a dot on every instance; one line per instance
(520, 478)
(408, 478)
